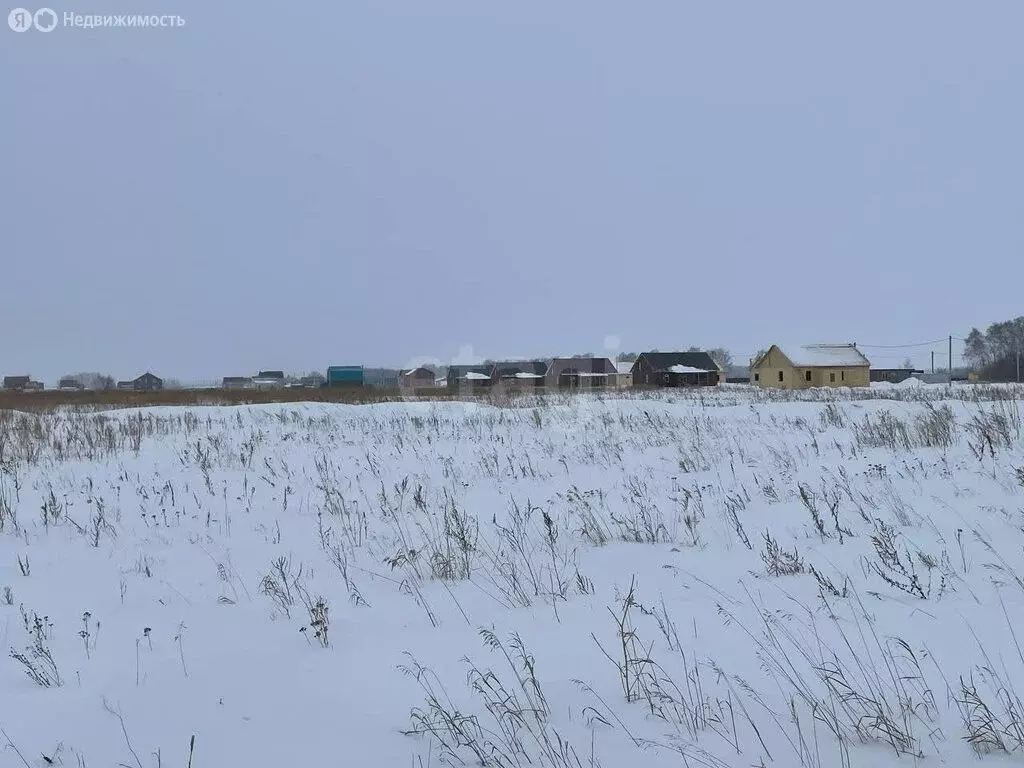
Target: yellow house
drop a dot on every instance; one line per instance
(811, 365)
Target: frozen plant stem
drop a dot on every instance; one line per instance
(178, 638)
(11, 745)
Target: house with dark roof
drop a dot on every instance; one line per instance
(147, 382)
(22, 384)
(268, 380)
(70, 384)
(800, 366)
(893, 375)
(519, 375)
(466, 378)
(237, 382)
(676, 369)
(16, 383)
(581, 373)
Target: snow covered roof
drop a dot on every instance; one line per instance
(662, 361)
(686, 369)
(590, 375)
(525, 375)
(823, 355)
(474, 376)
(624, 367)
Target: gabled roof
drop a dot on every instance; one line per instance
(663, 361)
(16, 381)
(419, 373)
(624, 366)
(270, 375)
(823, 355)
(583, 365)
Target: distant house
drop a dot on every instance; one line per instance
(70, 384)
(799, 366)
(381, 378)
(147, 382)
(21, 384)
(126, 385)
(463, 378)
(346, 376)
(268, 380)
(624, 374)
(417, 378)
(237, 382)
(893, 375)
(676, 369)
(581, 373)
(519, 375)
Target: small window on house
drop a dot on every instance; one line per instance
(807, 375)
(842, 375)
(780, 375)
(757, 377)
(832, 377)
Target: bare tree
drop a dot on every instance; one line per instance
(720, 355)
(93, 380)
(995, 351)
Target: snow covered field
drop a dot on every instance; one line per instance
(727, 578)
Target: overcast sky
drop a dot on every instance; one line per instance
(335, 182)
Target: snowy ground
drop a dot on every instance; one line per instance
(729, 578)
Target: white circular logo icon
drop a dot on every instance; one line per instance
(45, 20)
(20, 20)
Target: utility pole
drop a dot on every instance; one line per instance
(1018, 366)
(933, 362)
(951, 357)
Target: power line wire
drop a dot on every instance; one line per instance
(907, 346)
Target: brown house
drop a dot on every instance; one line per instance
(676, 369)
(801, 366)
(417, 378)
(581, 373)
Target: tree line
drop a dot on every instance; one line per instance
(994, 352)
